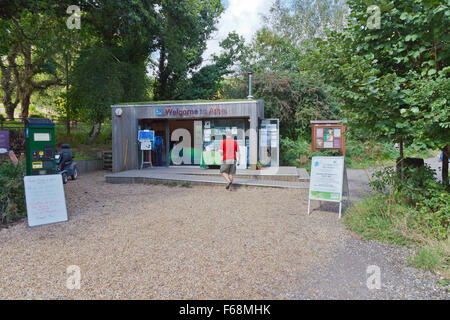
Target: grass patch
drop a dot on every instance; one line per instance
(377, 218)
(171, 184)
(385, 218)
(186, 185)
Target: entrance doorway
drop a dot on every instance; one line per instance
(185, 142)
(159, 153)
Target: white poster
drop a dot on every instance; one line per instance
(337, 132)
(327, 174)
(243, 157)
(146, 145)
(328, 144)
(45, 199)
(274, 140)
(263, 138)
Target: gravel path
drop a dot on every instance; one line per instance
(161, 242)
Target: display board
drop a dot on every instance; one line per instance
(146, 135)
(328, 180)
(328, 134)
(4, 141)
(243, 157)
(146, 145)
(45, 199)
(269, 142)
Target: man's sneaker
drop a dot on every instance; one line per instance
(228, 185)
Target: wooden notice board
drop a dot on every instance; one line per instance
(328, 135)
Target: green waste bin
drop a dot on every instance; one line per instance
(40, 146)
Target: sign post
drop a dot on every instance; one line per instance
(328, 181)
(45, 199)
(146, 137)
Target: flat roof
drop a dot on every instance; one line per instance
(182, 102)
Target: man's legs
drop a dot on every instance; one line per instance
(225, 175)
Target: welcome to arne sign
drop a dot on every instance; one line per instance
(184, 112)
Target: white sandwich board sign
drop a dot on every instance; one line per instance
(328, 181)
(46, 202)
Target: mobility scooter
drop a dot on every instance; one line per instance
(65, 164)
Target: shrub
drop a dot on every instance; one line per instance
(12, 193)
(411, 210)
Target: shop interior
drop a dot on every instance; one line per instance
(205, 137)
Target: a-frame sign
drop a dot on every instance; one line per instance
(328, 181)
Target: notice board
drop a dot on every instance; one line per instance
(328, 134)
(4, 141)
(46, 202)
(328, 180)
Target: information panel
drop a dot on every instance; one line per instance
(45, 199)
(4, 141)
(328, 180)
(146, 135)
(327, 175)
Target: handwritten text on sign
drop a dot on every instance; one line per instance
(46, 202)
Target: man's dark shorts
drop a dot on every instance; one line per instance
(228, 168)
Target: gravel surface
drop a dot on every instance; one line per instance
(160, 242)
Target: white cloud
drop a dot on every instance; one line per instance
(242, 16)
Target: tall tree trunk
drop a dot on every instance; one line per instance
(27, 85)
(445, 156)
(8, 85)
(400, 164)
(95, 131)
(68, 115)
(161, 89)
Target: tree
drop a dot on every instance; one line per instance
(294, 99)
(111, 67)
(298, 21)
(27, 49)
(8, 83)
(206, 83)
(184, 27)
(96, 85)
(376, 70)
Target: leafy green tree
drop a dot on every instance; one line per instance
(206, 83)
(376, 70)
(295, 100)
(184, 27)
(28, 42)
(96, 85)
(113, 61)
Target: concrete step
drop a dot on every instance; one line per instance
(203, 180)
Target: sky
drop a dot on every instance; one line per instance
(242, 16)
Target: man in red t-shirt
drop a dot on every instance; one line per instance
(229, 149)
